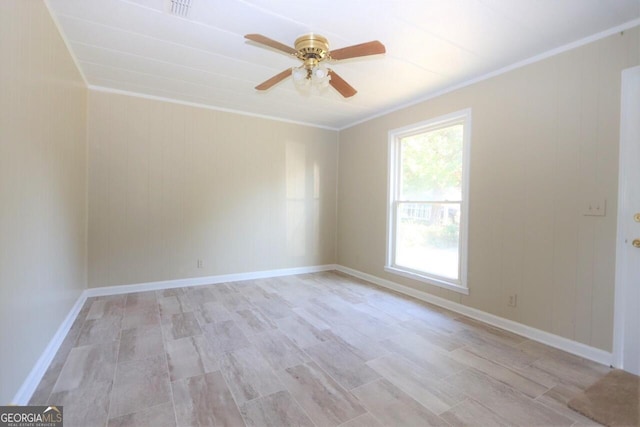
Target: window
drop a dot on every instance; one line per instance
(428, 201)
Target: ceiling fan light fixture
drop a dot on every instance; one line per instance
(305, 76)
(299, 74)
(320, 76)
(313, 50)
(320, 72)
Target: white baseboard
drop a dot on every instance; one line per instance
(207, 280)
(27, 389)
(30, 384)
(565, 344)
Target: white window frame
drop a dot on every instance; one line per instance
(395, 135)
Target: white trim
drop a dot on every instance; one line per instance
(28, 387)
(547, 338)
(205, 106)
(66, 42)
(514, 66)
(30, 384)
(393, 188)
(426, 279)
(586, 40)
(206, 280)
(624, 206)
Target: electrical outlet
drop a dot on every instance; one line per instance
(595, 208)
(513, 300)
(199, 263)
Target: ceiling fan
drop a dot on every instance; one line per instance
(313, 51)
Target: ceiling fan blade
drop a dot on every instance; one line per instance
(274, 80)
(363, 49)
(258, 38)
(341, 85)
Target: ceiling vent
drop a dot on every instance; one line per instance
(179, 7)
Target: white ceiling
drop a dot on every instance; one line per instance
(432, 45)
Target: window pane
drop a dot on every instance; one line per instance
(428, 238)
(431, 165)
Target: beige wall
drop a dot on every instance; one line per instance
(544, 142)
(170, 184)
(42, 187)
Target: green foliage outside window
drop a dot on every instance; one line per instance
(431, 164)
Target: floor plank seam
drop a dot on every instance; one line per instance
(252, 337)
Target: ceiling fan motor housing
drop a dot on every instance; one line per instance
(312, 49)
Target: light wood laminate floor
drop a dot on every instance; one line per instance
(320, 349)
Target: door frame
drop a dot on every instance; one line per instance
(621, 280)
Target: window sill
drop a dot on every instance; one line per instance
(429, 280)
